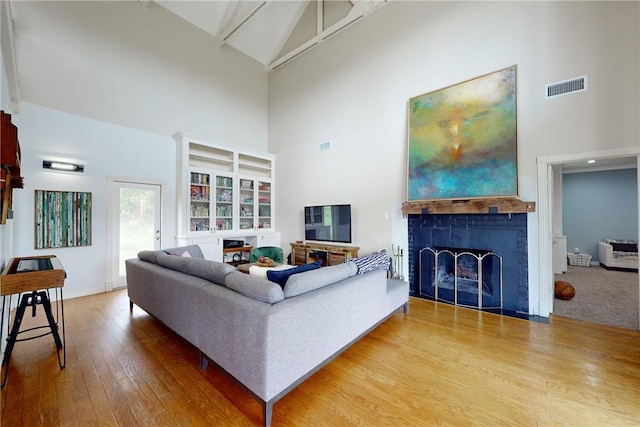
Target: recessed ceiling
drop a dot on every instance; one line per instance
(600, 165)
(273, 32)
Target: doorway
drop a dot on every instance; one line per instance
(134, 222)
(546, 214)
(598, 202)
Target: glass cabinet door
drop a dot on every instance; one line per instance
(224, 203)
(199, 201)
(247, 204)
(264, 205)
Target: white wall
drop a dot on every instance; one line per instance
(354, 90)
(107, 84)
(104, 150)
(138, 67)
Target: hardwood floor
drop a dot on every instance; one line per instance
(438, 365)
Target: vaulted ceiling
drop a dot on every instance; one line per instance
(273, 32)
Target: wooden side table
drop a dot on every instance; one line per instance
(240, 255)
(31, 278)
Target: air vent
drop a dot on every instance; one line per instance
(579, 84)
(324, 146)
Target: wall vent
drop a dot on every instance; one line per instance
(579, 84)
(324, 146)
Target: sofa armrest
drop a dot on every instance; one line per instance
(605, 252)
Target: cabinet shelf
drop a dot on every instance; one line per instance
(225, 188)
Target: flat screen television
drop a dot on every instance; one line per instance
(328, 223)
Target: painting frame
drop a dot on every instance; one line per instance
(62, 219)
(462, 139)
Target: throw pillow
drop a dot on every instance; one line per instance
(280, 276)
(254, 287)
(625, 247)
(149, 256)
(193, 251)
(311, 280)
(204, 268)
(373, 261)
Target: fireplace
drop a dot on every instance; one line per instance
(461, 276)
(497, 242)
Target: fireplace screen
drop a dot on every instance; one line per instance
(467, 277)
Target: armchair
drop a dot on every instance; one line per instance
(273, 252)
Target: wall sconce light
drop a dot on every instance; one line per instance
(62, 166)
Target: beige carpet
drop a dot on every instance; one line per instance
(602, 296)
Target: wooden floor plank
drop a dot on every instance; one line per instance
(437, 365)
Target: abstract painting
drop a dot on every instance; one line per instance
(63, 219)
(462, 140)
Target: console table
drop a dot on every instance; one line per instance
(304, 253)
(31, 278)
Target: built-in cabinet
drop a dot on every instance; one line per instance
(224, 193)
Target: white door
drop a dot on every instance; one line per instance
(135, 224)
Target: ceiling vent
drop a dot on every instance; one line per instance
(325, 146)
(579, 84)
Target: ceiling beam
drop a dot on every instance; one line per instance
(240, 21)
(291, 26)
(358, 11)
(9, 54)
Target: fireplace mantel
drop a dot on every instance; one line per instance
(469, 206)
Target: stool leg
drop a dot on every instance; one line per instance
(11, 340)
(46, 303)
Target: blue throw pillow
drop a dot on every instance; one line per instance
(280, 276)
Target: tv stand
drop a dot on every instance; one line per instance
(304, 253)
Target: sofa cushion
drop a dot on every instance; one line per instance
(280, 276)
(373, 261)
(310, 280)
(625, 247)
(149, 256)
(206, 269)
(254, 287)
(193, 251)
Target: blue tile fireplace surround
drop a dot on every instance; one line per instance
(502, 234)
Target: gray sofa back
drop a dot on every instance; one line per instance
(246, 325)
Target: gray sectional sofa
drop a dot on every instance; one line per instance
(268, 338)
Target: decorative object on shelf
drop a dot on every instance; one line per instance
(62, 219)
(462, 139)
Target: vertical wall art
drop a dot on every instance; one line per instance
(63, 219)
(462, 140)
